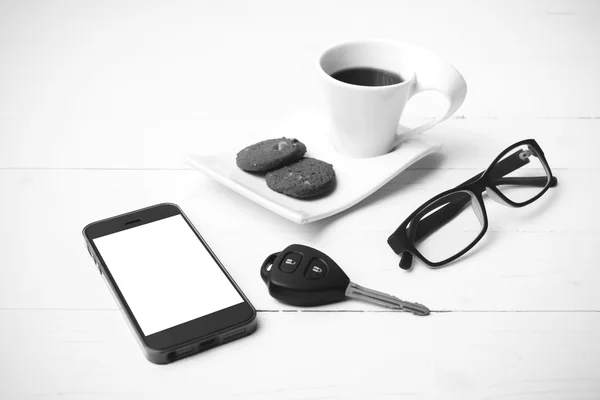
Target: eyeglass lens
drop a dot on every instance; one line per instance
(447, 226)
(528, 179)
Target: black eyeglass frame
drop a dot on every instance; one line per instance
(402, 244)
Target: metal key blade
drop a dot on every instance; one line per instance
(373, 296)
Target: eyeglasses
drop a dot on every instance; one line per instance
(451, 223)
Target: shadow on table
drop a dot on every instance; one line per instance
(420, 170)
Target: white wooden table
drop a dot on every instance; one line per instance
(99, 102)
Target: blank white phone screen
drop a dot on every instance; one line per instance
(165, 274)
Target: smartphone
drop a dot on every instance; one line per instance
(174, 292)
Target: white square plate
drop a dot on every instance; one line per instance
(356, 178)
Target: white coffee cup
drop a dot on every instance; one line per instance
(365, 119)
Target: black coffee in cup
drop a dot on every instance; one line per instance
(367, 76)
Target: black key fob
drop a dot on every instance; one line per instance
(303, 276)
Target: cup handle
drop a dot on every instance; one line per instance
(434, 73)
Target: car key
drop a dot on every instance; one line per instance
(302, 276)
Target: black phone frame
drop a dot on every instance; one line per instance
(207, 331)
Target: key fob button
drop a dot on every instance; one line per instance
(316, 269)
(290, 262)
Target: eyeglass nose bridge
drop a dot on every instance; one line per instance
(494, 196)
(480, 187)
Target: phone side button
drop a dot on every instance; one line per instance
(98, 265)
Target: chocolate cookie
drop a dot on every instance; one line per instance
(269, 155)
(307, 178)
